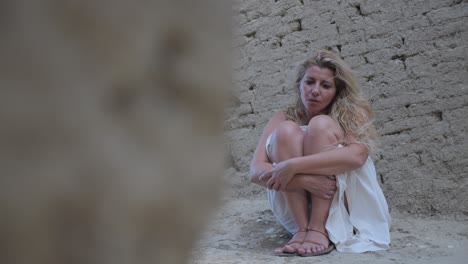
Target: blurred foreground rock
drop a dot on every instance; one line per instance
(111, 128)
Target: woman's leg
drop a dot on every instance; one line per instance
(323, 134)
(287, 141)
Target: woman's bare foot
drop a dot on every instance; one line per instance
(315, 241)
(293, 245)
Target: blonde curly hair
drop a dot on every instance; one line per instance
(348, 108)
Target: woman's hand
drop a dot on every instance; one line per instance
(320, 186)
(279, 176)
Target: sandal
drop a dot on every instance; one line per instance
(329, 249)
(290, 254)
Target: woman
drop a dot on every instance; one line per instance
(328, 132)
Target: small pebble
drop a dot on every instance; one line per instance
(422, 246)
(270, 231)
(450, 246)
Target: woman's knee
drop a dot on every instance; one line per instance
(325, 125)
(288, 132)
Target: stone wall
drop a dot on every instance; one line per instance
(411, 58)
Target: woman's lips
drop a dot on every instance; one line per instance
(313, 100)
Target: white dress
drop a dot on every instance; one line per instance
(367, 225)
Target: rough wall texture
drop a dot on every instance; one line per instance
(411, 58)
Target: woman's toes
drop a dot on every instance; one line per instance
(316, 248)
(289, 249)
(301, 250)
(320, 248)
(283, 249)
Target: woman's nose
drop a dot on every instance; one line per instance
(314, 89)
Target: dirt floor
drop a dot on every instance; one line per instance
(245, 231)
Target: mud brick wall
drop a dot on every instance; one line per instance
(411, 59)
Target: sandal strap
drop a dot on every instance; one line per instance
(301, 230)
(292, 242)
(314, 242)
(316, 230)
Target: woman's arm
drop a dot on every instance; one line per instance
(260, 163)
(322, 186)
(328, 163)
(331, 162)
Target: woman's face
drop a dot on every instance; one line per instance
(317, 90)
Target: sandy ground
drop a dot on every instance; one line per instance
(245, 231)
